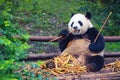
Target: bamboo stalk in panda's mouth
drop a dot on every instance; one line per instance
(57, 38)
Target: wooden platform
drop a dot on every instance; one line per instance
(91, 76)
(44, 56)
(104, 74)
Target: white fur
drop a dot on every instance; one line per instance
(79, 17)
(100, 53)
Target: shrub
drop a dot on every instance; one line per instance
(11, 49)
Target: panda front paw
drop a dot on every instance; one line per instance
(94, 48)
(64, 33)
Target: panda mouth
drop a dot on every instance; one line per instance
(76, 31)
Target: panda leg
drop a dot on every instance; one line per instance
(95, 63)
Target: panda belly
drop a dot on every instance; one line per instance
(79, 49)
(85, 36)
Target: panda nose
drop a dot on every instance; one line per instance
(75, 27)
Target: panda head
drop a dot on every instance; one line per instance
(79, 23)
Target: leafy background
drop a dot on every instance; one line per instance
(46, 18)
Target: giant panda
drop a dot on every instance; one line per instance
(79, 27)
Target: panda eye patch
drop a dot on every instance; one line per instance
(72, 24)
(80, 23)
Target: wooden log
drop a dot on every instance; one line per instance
(91, 76)
(52, 55)
(111, 54)
(42, 38)
(50, 38)
(40, 56)
(112, 38)
(38, 38)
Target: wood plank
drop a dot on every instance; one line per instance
(49, 38)
(91, 76)
(45, 56)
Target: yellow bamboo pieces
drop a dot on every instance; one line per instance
(66, 64)
(115, 66)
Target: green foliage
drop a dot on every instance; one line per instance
(11, 49)
(39, 62)
(113, 28)
(32, 71)
(9, 46)
(5, 64)
(112, 47)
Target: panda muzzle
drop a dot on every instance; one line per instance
(76, 30)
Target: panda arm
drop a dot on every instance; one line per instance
(97, 46)
(63, 42)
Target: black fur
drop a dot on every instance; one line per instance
(65, 40)
(95, 63)
(72, 14)
(98, 46)
(88, 15)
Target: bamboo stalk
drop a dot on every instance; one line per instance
(57, 38)
(102, 26)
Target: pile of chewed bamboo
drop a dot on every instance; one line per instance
(64, 64)
(114, 66)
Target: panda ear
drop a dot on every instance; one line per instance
(72, 14)
(88, 15)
